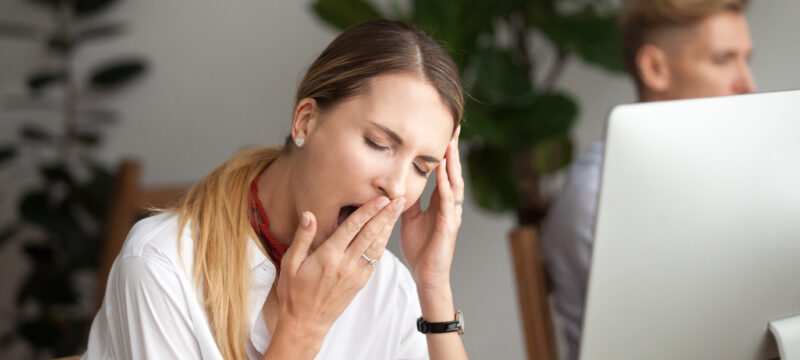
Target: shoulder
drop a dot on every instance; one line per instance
(148, 270)
(572, 213)
(584, 180)
(585, 171)
(154, 240)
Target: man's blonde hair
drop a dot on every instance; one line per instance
(640, 19)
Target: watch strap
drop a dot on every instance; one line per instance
(436, 328)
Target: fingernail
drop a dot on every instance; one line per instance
(399, 203)
(458, 132)
(306, 220)
(383, 202)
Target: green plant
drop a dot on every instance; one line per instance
(61, 216)
(517, 122)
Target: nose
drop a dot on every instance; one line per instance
(392, 184)
(745, 82)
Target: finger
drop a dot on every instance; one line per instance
(298, 250)
(371, 232)
(454, 173)
(375, 251)
(446, 199)
(355, 222)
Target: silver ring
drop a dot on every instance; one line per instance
(459, 202)
(371, 262)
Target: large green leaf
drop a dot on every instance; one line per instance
(548, 115)
(40, 254)
(479, 123)
(41, 79)
(492, 179)
(87, 138)
(342, 14)
(116, 73)
(57, 219)
(456, 25)
(516, 127)
(499, 80)
(595, 38)
(552, 154)
(99, 31)
(80, 8)
(84, 8)
(57, 172)
(35, 207)
(94, 195)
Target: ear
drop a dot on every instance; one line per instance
(651, 63)
(305, 118)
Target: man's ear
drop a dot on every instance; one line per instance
(305, 118)
(651, 63)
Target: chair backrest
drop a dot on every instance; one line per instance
(533, 294)
(129, 202)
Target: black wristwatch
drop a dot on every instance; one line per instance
(442, 327)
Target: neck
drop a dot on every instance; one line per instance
(274, 194)
(648, 96)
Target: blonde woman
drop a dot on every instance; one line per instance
(279, 252)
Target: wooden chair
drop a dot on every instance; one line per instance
(129, 202)
(533, 294)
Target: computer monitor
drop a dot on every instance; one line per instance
(697, 236)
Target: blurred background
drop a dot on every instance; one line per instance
(182, 85)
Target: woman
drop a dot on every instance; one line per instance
(279, 252)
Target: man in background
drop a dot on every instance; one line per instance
(674, 49)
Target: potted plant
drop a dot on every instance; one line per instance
(61, 215)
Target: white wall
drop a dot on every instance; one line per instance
(223, 77)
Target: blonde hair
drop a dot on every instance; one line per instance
(640, 19)
(217, 207)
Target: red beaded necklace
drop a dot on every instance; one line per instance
(273, 247)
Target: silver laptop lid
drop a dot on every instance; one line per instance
(697, 238)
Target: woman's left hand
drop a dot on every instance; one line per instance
(429, 237)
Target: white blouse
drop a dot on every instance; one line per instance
(152, 308)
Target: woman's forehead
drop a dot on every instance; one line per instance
(406, 106)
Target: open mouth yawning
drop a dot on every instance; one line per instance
(345, 212)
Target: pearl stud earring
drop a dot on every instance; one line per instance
(299, 142)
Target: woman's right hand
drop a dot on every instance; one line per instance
(314, 289)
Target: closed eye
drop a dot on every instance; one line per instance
(377, 147)
(374, 145)
(421, 172)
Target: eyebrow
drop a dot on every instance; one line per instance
(389, 132)
(399, 140)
